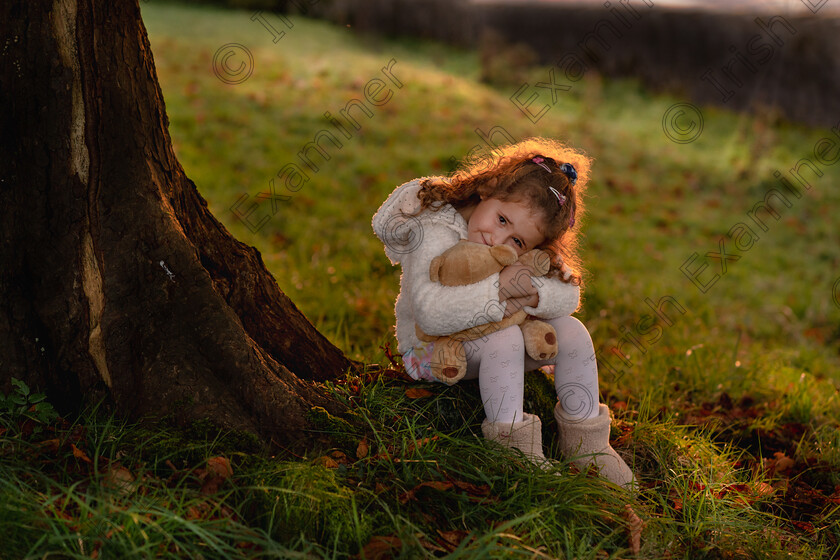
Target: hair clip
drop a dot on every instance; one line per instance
(569, 171)
(540, 161)
(560, 198)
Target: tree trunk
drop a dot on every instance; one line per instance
(115, 279)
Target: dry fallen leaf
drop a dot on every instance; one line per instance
(381, 548)
(441, 485)
(743, 494)
(79, 454)
(327, 462)
(782, 463)
(450, 540)
(419, 443)
(473, 489)
(220, 467)
(120, 479)
(340, 457)
(763, 490)
(634, 529)
(398, 374)
(193, 513)
(417, 393)
(218, 470)
(362, 449)
(51, 444)
(835, 496)
(803, 526)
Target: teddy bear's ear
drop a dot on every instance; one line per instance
(504, 254)
(434, 268)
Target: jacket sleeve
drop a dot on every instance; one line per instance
(395, 222)
(557, 298)
(442, 310)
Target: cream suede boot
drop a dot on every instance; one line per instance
(525, 435)
(589, 440)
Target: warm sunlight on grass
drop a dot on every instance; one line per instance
(728, 415)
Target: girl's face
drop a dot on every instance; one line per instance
(497, 222)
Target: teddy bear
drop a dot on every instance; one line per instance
(467, 263)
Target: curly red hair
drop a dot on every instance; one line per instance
(509, 173)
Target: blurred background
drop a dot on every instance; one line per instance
(695, 114)
(714, 51)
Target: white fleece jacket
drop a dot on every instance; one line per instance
(413, 241)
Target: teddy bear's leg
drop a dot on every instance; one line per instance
(449, 360)
(540, 339)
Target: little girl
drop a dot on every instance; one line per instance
(527, 195)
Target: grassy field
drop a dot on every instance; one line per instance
(729, 416)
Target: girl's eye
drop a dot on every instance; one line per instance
(503, 221)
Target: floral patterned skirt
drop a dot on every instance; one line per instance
(418, 362)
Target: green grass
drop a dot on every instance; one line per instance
(705, 414)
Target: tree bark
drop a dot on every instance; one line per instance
(116, 280)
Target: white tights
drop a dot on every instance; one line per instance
(499, 361)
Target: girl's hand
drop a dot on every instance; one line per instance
(515, 304)
(515, 282)
(516, 288)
